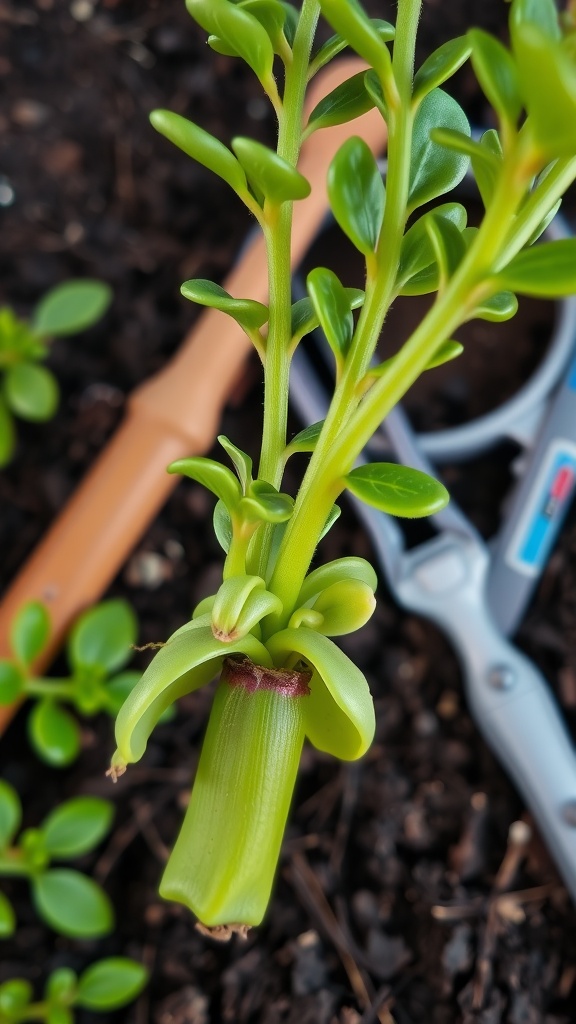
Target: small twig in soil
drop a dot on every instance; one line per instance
(306, 884)
(351, 772)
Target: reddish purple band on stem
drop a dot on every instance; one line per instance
(240, 671)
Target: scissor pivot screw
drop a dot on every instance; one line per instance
(502, 677)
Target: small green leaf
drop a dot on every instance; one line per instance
(291, 22)
(239, 30)
(117, 690)
(111, 983)
(30, 631)
(11, 682)
(350, 567)
(306, 440)
(334, 514)
(433, 169)
(501, 306)
(461, 143)
(103, 636)
(417, 253)
(31, 392)
(242, 462)
(15, 996)
(445, 353)
(345, 606)
(7, 918)
(304, 318)
(72, 904)
(398, 490)
(373, 87)
(10, 814)
(333, 46)
(222, 526)
(71, 307)
(247, 312)
(7, 434)
(548, 85)
(53, 733)
(332, 307)
(264, 502)
(357, 195)
(61, 985)
(496, 72)
(278, 180)
(339, 711)
(486, 163)
(76, 826)
(346, 102)
(348, 19)
(201, 146)
(542, 13)
(548, 270)
(217, 478)
(440, 66)
(271, 14)
(448, 245)
(59, 1015)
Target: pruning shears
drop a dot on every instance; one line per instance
(476, 593)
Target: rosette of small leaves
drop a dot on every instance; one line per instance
(269, 627)
(28, 390)
(105, 986)
(99, 645)
(68, 901)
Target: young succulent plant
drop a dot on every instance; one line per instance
(28, 390)
(99, 645)
(268, 629)
(66, 900)
(105, 986)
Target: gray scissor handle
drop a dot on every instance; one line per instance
(509, 698)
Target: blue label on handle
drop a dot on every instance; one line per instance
(545, 509)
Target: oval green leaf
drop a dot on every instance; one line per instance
(346, 102)
(217, 478)
(501, 306)
(10, 814)
(222, 526)
(239, 30)
(31, 392)
(433, 169)
(61, 985)
(264, 502)
(398, 490)
(76, 826)
(348, 568)
(110, 983)
(278, 180)
(496, 72)
(53, 733)
(247, 312)
(15, 996)
(353, 24)
(11, 682)
(7, 919)
(548, 85)
(241, 461)
(333, 310)
(201, 146)
(30, 631)
(447, 351)
(303, 314)
(548, 270)
(440, 66)
(339, 711)
(357, 195)
(71, 307)
(103, 636)
(306, 440)
(72, 904)
(542, 13)
(448, 245)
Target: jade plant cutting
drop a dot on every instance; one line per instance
(28, 390)
(268, 629)
(67, 900)
(104, 986)
(99, 645)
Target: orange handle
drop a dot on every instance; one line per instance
(174, 414)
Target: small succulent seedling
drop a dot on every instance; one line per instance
(99, 646)
(268, 628)
(28, 390)
(68, 901)
(104, 986)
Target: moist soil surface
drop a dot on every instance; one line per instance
(398, 891)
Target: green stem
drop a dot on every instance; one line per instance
(12, 864)
(63, 689)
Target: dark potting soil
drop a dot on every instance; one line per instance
(397, 891)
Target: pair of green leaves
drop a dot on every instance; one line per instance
(270, 177)
(99, 645)
(243, 503)
(68, 901)
(30, 391)
(104, 986)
